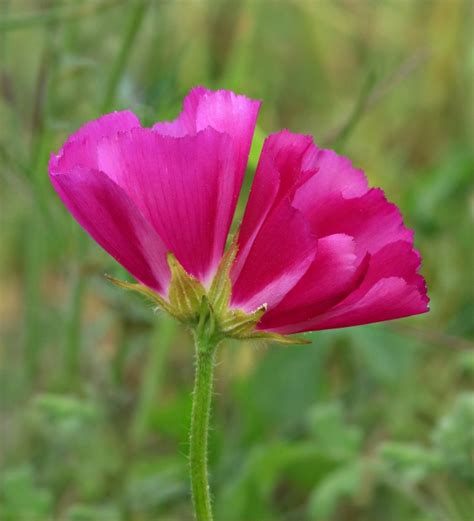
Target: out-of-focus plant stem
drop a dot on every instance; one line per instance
(162, 339)
(356, 114)
(135, 18)
(34, 261)
(35, 246)
(73, 333)
(370, 94)
(59, 13)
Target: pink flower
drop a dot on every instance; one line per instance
(317, 246)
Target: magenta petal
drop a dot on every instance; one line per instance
(80, 149)
(336, 175)
(362, 243)
(183, 186)
(108, 125)
(104, 210)
(370, 219)
(392, 288)
(278, 174)
(280, 255)
(223, 111)
(292, 166)
(398, 259)
(389, 298)
(332, 275)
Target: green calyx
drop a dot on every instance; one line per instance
(189, 302)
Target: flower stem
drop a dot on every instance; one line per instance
(205, 354)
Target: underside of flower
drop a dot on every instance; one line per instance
(317, 248)
(199, 308)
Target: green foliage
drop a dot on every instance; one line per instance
(91, 513)
(364, 424)
(454, 438)
(336, 486)
(22, 498)
(331, 433)
(410, 462)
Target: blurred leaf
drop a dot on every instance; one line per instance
(466, 363)
(249, 492)
(449, 180)
(21, 498)
(454, 438)
(62, 415)
(156, 483)
(72, 431)
(342, 483)
(92, 513)
(387, 355)
(173, 417)
(285, 383)
(411, 463)
(332, 434)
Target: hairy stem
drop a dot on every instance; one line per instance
(205, 354)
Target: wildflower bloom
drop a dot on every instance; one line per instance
(316, 249)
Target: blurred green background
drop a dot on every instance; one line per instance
(373, 423)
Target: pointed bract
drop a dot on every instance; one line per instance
(220, 291)
(239, 324)
(185, 292)
(149, 294)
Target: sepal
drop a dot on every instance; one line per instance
(279, 339)
(148, 293)
(235, 323)
(190, 303)
(221, 287)
(185, 292)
